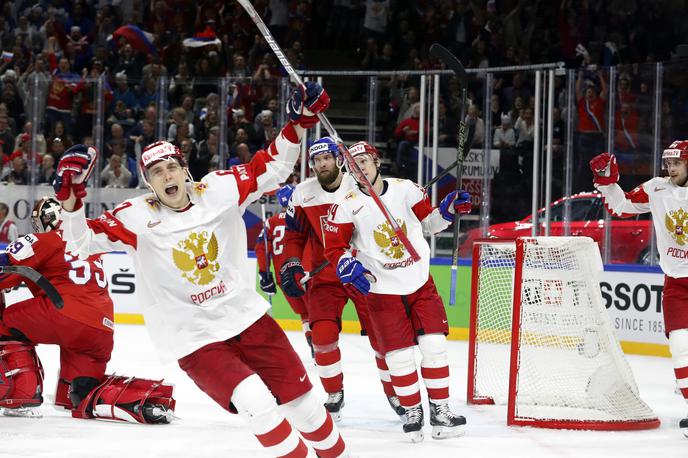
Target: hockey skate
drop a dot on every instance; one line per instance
(397, 407)
(413, 427)
(27, 412)
(445, 423)
(334, 405)
(156, 413)
(683, 424)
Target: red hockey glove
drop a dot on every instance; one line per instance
(605, 171)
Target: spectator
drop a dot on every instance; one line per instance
(265, 130)
(504, 136)
(61, 95)
(25, 136)
(474, 120)
(56, 147)
(123, 93)
(207, 149)
(406, 133)
(36, 74)
(6, 137)
(179, 118)
(114, 175)
(626, 133)
(591, 128)
(243, 155)
(525, 129)
(18, 173)
(46, 173)
(8, 228)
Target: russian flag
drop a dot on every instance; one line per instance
(205, 38)
(140, 40)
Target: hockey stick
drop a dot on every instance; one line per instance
(39, 280)
(356, 171)
(325, 263)
(265, 242)
(451, 62)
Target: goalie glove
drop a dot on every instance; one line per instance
(304, 104)
(73, 171)
(605, 171)
(267, 284)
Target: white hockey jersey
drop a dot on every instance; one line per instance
(193, 278)
(355, 225)
(668, 204)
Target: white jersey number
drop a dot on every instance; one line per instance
(277, 236)
(80, 272)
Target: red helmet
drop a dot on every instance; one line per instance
(362, 148)
(160, 151)
(677, 150)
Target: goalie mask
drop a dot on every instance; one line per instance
(45, 216)
(677, 150)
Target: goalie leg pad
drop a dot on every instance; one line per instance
(129, 399)
(21, 375)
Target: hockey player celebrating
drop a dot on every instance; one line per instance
(667, 199)
(404, 306)
(274, 231)
(188, 243)
(327, 296)
(83, 329)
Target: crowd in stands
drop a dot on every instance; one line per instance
(58, 55)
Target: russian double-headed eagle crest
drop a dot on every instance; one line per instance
(387, 240)
(675, 221)
(196, 257)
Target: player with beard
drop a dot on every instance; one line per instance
(326, 296)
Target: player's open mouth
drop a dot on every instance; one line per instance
(171, 190)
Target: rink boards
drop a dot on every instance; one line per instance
(632, 295)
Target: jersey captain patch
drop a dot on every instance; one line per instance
(675, 222)
(196, 257)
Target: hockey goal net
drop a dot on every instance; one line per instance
(541, 341)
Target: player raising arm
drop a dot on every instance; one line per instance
(403, 303)
(667, 199)
(83, 329)
(188, 241)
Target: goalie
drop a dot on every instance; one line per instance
(83, 329)
(667, 199)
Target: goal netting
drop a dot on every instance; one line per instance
(541, 341)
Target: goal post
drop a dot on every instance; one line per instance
(541, 341)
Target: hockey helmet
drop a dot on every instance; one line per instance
(677, 150)
(322, 146)
(284, 194)
(160, 151)
(45, 216)
(363, 148)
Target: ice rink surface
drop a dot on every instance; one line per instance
(369, 426)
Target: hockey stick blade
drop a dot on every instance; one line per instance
(450, 61)
(39, 280)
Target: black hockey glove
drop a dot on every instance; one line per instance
(267, 284)
(290, 274)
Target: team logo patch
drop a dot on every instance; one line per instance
(390, 245)
(196, 257)
(199, 188)
(675, 222)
